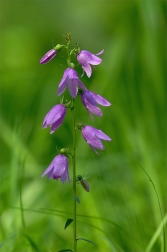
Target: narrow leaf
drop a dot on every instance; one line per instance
(68, 222)
(86, 240)
(33, 245)
(77, 199)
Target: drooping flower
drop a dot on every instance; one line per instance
(58, 168)
(54, 117)
(92, 136)
(86, 59)
(91, 100)
(48, 56)
(70, 79)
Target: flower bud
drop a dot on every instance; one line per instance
(83, 182)
(58, 47)
(64, 151)
(72, 65)
(48, 56)
(85, 185)
(80, 125)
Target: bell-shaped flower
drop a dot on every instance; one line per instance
(48, 56)
(86, 59)
(91, 100)
(92, 136)
(70, 79)
(58, 168)
(54, 117)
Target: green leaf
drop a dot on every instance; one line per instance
(33, 245)
(86, 240)
(68, 222)
(65, 250)
(77, 199)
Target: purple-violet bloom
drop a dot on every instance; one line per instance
(91, 100)
(70, 79)
(92, 136)
(48, 56)
(54, 117)
(58, 168)
(86, 59)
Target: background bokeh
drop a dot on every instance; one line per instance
(121, 213)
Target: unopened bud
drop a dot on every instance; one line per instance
(48, 56)
(83, 182)
(64, 151)
(85, 185)
(58, 47)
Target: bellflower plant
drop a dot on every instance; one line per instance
(58, 169)
(54, 117)
(91, 100)
(50, 54)
(86, 59)
(92, 136)
(70, 79)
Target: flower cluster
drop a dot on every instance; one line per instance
(54, 118)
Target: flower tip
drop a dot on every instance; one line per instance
(100, 52)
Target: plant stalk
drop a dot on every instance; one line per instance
(74, 178)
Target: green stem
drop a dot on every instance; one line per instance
(74, 177)
(68, 53)
(21, 202)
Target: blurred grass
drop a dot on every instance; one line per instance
(121, 212)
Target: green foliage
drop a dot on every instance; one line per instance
(68, 222)
(77, 199)
(121, 213)
(83, 239)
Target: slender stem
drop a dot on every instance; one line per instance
(21, 202)
(74, 177)
(68, 53)
(73, 163)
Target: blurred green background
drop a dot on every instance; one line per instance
(121, 212)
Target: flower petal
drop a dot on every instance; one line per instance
(100, 52)
(57, 112)
(87, 69)
(88, 97)
(81, 85)
(61, 168)
(94, 60)
(70, 79)
(58, 168)
(90, 137)
(50, 167)
(62, 85)
(93, 109)
(73, 87)
(48, 56)
(55, 125)
(100, 134)
(100, 100)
